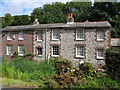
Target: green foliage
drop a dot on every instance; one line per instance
(87, 68)
(113, 62)
(82, 11)
(21, 20)
(23, 69)
(62, 65)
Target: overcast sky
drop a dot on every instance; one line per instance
(23, 7)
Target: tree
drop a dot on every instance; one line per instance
(57, 12)
(21, 20)
(7, 20)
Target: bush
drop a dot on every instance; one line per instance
(62, 65)
(113, 62)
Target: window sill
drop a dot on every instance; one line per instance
(100, 40)
(39, 40)
(55, 56)
(55, 39)
(79, 56)
(39, 55)
(20, 54)
(20, 39)
(100, 58)
(9, 39)
(9, 54)
(80, 39)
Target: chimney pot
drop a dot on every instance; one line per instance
(70, 19)
(36, 22)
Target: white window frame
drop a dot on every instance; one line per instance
(83, 31)
(58, 32)
(37, 52)
(98, 57)
(21, 37)
(7, 50)
(80, 56)
(9, 36)
(20, 54)
(39, 33)
(58, 51)
(99, 36)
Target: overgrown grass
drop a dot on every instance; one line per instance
(41, 74)
(23, 69)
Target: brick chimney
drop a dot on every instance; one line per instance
(36, 22)
(70, 19)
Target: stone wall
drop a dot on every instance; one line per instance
(67, 44)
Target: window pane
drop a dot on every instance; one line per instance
(80, 34)
(9, 35)
(9, 49)
(80, 51)
(39, 51)
(39, 36)
(100, 53)
(55, 50)
(100, 35)
(21, 35)
(21, 49)
(56, 34)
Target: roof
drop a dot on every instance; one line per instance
(60, 25)
(115, 41)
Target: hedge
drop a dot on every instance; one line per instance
(113, 62)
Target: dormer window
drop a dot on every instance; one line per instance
(21, 35)
(9, 36)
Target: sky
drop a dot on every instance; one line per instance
(24, 7)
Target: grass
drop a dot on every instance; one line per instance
(22, 69)
(17, 83)
(22, 73)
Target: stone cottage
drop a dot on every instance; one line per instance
(75, 41)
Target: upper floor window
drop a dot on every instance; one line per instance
(21, 35)
(100, 54)
(9, 36)
(39, 51)
(55, 34)
(80, 34)
(55, 51)
(100, 36)
(21, 50)
(9, 50)
(39, 36)
(80, 51)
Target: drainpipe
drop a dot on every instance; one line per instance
(45, 44)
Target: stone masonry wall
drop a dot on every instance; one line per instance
(67, 44)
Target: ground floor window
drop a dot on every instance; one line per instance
(39, 51)
(21, 50)
(80, 50)
(55, 50)
(100, 54)
(9, 49)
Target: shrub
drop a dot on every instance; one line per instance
(113, 62)
(62, 65)
(87, 68)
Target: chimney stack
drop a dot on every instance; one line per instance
(36, 22)
(70, 19)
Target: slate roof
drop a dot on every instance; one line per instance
(59, 25)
